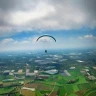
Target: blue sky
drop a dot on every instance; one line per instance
(66, 39)
(72, 23)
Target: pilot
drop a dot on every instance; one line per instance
(45, 51)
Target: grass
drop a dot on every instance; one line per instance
(62, 91)
(45, 91)
(38, 93)
(69, 89)
(92, 85)
(84, 86)
(75, 88)
(91, 92)
(75, 72)
(62, 83)
(72, 95)
(82, 80)
(6, 90)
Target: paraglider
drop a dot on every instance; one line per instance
(45, 37)
(45, 51)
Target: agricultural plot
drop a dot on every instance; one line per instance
(3, 77)
(92, 85)
(75, 72)
(62, 91)
(38, 93)
(6, 90)
(82, 80)
(91, 92)
(69, 89)
(85, 86)
(59, 83)
(72, 95)
(75, 88)
(28, 93)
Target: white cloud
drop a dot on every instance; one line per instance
(40, 11)
(86, 41)
(88, 36)
(11, 41)
(80, 38)
(19, 15)
(15, 42)
(33, 40)
(25, 42)
(7, 41)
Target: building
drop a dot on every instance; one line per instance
(67, 73)
(30, 74)
(20, 70)
(91, 77)
(6, 72)
(72, 68)
(43, 76)
(20, 77)
(27, 70)
(51, 72)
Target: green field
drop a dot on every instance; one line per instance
(6, 90)
(69, 89)
(91, 92)
(38, 93)
(59, 83)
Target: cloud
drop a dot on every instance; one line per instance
(88, 36)
(25, 44)
(7, 41)
(13, 42)
(87, 40)
(20, 15)
(10, 44)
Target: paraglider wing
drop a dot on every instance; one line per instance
(45, 41)
(46, 36)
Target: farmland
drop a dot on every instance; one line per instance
(70, 77)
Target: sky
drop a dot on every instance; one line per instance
(71, 22)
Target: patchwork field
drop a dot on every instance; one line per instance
(74, 85)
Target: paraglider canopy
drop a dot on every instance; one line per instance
(44, 36)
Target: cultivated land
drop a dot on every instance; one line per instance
(74, 73)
